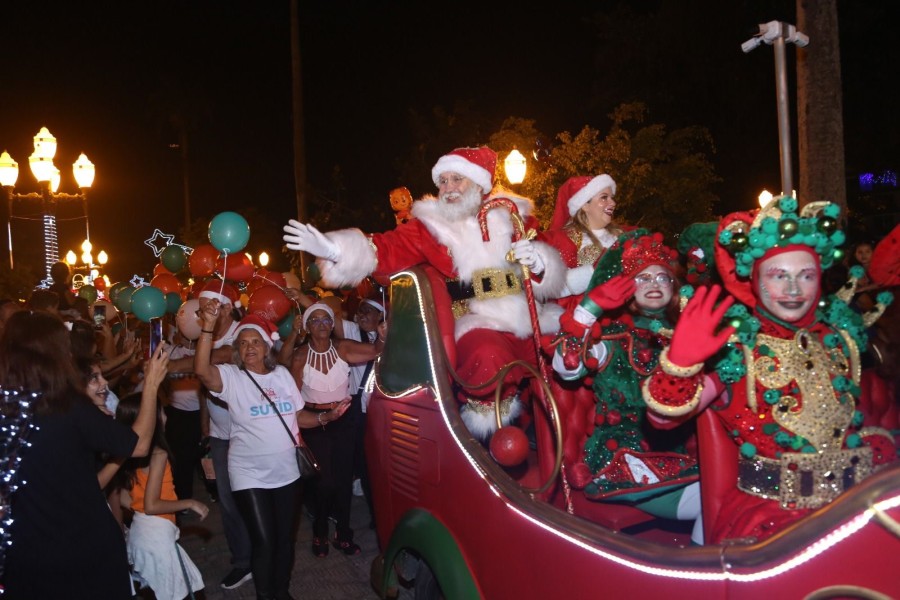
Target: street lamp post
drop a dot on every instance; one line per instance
(92, 269)
(48, 178)
(777, 33)
(515, 167)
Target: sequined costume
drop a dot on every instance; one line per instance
(785, 393)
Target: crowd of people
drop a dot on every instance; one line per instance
(636, 357)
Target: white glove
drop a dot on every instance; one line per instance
(306, 238)
(527, 255)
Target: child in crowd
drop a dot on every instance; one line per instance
(146, 486)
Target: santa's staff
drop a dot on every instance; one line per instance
(518, 234)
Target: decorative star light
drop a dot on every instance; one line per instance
(153, 240)
(137, 281)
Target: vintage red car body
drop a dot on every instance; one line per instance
(441, 498)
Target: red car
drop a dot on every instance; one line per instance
(461, 526)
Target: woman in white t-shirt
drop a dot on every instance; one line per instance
(261, 462)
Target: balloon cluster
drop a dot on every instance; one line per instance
(170, 292)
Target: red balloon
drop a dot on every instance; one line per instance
(202, 261)
(509, 446)
(167, 283)
(269, 302)
(99, 283)
(235, 267)
(263, 278)
(160, 269)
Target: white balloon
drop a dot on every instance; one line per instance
(187, 320)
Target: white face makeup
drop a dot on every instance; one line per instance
(599, 209)
(788, 285)
(654, 288)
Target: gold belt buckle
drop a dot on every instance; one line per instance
(814, 480)
(495, 283)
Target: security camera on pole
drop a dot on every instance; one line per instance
(777, 33)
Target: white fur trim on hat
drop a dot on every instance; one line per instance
(268, 338)
(374, 303)
(215, 296)
(457, 164)
(315, 307)
(594, 187)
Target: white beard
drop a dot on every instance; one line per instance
(465, 206)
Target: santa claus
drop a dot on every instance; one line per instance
(492, 320)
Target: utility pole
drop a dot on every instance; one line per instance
(300, 182)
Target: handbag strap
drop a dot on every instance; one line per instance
(275, 408)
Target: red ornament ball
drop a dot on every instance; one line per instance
(509, 446)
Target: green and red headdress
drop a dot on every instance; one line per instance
(633, 252)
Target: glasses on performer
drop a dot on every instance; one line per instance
(326, 321)
(659, 278)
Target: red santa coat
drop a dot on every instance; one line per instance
(494, 331)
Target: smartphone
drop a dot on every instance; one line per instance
(99, 315)
(155, 334)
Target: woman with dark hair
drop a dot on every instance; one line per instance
(63, 525)
(146, 486)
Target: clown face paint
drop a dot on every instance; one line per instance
(654, 288)
(788, 284)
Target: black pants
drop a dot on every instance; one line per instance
(360, 466)
(332, 491)
(183, 436)
(269, 515)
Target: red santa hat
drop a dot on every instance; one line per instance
(575, 193)
(478, 164)
(221, 291)
(264, 327)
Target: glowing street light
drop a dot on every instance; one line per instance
(48, 178)
(263, 259)
(515, 167)
(92, 269)
(765, 197)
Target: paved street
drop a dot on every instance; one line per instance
(335, 577)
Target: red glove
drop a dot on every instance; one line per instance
(606, 296)
(695, 338)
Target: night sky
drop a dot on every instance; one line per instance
(101, 77)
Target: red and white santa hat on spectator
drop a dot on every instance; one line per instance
(221, 291)
(575, 193)
(478, 164)
(264, 327)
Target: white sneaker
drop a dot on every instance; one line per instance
(357, 487)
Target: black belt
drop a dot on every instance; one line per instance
(459, 290)
(506, 281)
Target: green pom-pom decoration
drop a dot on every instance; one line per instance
(886, 298)
(725, 237)
(686, 291)
(838, 238)
(769, 226)
(841, 383)
(808, 450)
(772, 396)
(854, 441)
(787, 204)
(748, 450)
(783, 439)
(857, 272)
(832, 210)
(858, 417)
(655, 325)
(797, 442)
(832, 340)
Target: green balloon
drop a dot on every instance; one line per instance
(173, 258)
(229, 232)
(123, 298)
(285, 325)
(173, 302)
(88, 292)
(114, 290)
(148, 303)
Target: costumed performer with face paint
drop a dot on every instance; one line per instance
(782, 373)
(612, 340)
